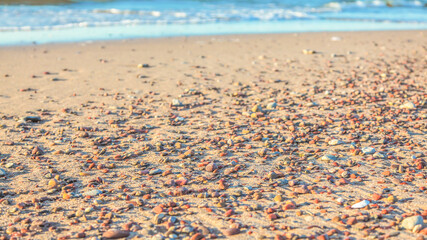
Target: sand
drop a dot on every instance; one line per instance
(232, 137)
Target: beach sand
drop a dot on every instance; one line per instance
(239, 137)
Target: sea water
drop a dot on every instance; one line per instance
(46, 21)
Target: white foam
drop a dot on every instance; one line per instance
(360, 3)
(180, 14)
(156, 13)
(418, 3)
(335, 5)
(25, 28)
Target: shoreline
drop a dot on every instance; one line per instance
(118, 32)
(213, 36)
(270, 136)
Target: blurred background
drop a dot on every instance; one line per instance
(44, 21)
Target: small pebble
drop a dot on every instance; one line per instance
(32, 119)
(211, 167)
(2, 172)
(334, 142)
(92, 193)
(231, 231)
(271, 106)
(328, 157)
(408, 105)
(361, 204)
(368, 150)
(176, 102)
(115, 234)
(53, 183)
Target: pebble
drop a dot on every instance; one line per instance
(158, 218)
(311, 104)
(143, 65)
(53, 183)
(408, 105)
(115, 234)
(256, 108)
(278, 198)
(10, 230)
(271, 106)
(9, 165)
(79, 213)
(335, 38)
(272, 175)
(410, 222)
(272, 216)
(172, 219)
(308, 51)
(37, 151)
(376, 196)
(328, 157)
(211, 167)
(361, 204)
(391, 199)
(379, 155)
(2, 172)
(158, 237)
(393, 234)
(80, 235)
(176, 103)
(158, 209)
(155, 171)
(368, 150)
(32, 119)
(344, 174)
(89, 210)
(351, 221)
(197, 236)
(231, 231)
(92, 193)
(334, 142)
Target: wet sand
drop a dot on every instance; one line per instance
(287, 136)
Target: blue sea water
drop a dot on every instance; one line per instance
(45, 21)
